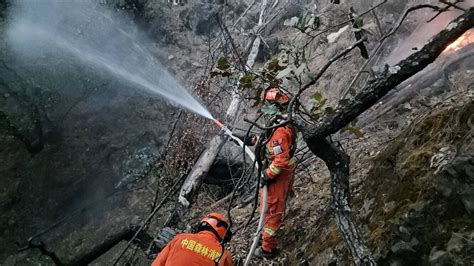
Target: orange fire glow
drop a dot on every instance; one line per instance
(465, 39)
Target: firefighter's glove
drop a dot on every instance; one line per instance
(250, 140)
(264, 179)
(234, 141)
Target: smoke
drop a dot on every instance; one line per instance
(424, 31)
(100, 38)
(418, 84)
(87, 69)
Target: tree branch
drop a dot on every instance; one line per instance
(448, 5)
(338, 161)
(377, 88)
(307, 85)
(382, 41)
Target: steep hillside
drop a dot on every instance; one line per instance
(111, 154)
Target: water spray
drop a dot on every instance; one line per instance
(264, 190)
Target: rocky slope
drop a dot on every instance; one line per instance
(411, 175)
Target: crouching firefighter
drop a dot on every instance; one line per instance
(205, 247)
(277, 169)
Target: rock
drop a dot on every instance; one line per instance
(201, 18)
(440, 257)
(303, 247)
(392, 125)
(6, 95)
(365, 211)
(401, 247)
(389, 206)
(420, 205)
(164, 237)
(442, 158)
(456, 243)
(467, 199)
(404, 233)
(171, 57)
(326, 257)
(456, 177)
(396, 262)
(196, 64)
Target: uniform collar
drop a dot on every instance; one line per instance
(208, 233)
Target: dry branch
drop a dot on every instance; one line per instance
(382, 41)
(206, 159)
(337, 161)
(377, 88)
(308, 85)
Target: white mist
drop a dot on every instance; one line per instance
(98, 37)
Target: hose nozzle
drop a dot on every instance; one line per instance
(218, 123)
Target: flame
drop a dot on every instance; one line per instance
(465, 39)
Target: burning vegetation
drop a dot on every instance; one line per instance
(463, 41)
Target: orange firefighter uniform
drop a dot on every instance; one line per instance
(202, 248)
(280, 172)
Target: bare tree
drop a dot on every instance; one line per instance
(318, 129)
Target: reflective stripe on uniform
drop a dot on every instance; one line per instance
(292, 161)
(274, 169)
(269, 231)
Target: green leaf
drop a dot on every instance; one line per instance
(284, 73)
(226, 74)
(270, 109)
(358, 22)
(355, 131)
(329, 110)
(310, 22)
(344, 102)
(246, 81)
(274, 65)
(304, 18)
(223, 63)
(352, 92)
(354, 122)
(291, 22)
(317, 96)
(310, 75)
(322, 103)
(332, 37)
(317, 23)
(300, 69)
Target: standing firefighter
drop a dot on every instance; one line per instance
(201, 248)
(278, 170)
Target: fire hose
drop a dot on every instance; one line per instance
(264, 191)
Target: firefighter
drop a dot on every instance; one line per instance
(201, 248)
(278, 170)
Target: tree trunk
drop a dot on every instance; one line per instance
(336, 160)
(338, 163)
(411, 87)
